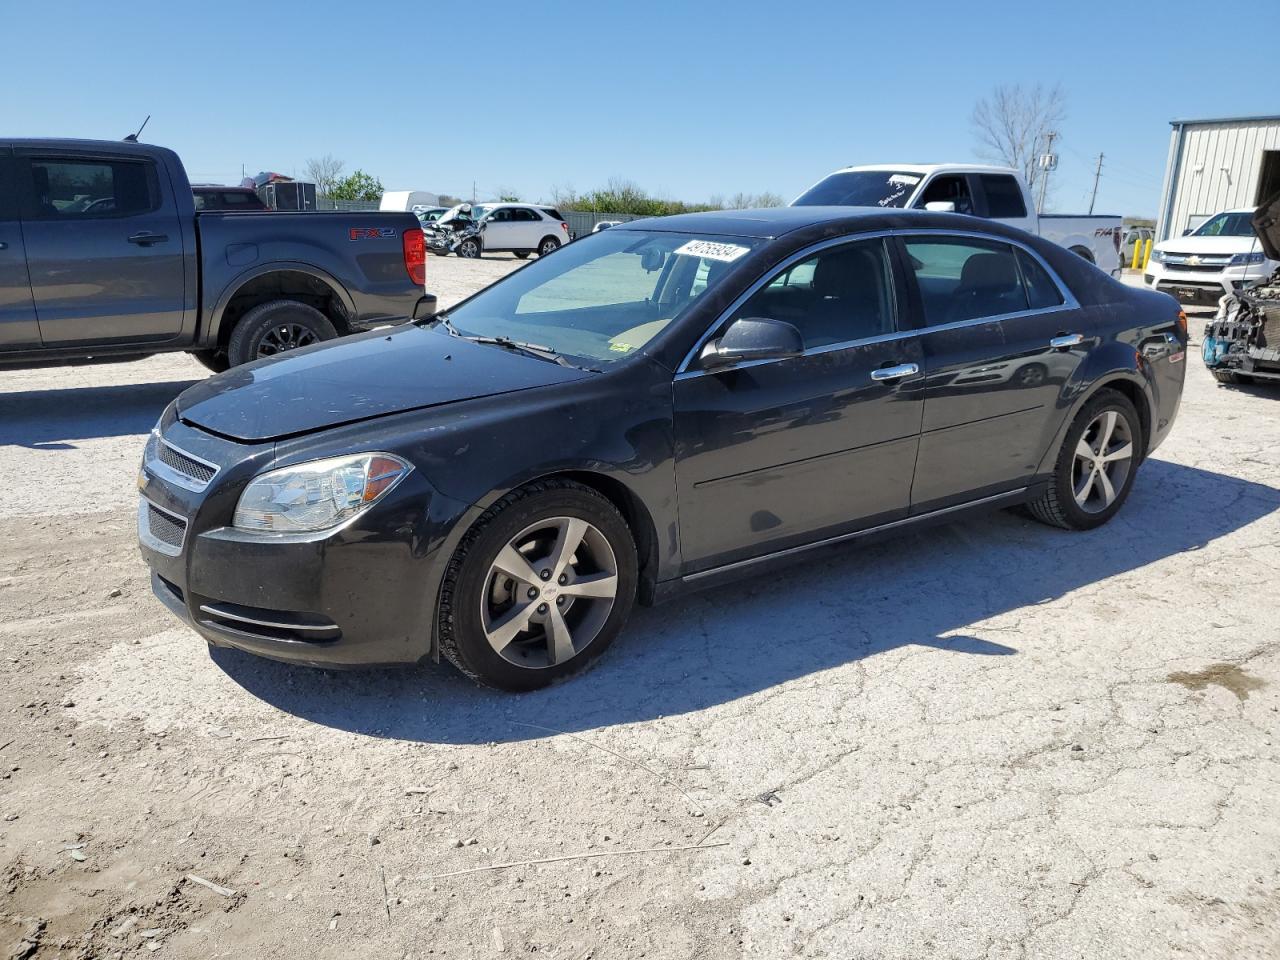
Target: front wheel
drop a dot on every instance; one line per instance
(277, 327)
(1096, 465)
(521, 254)
(469, 249)
(539, 587)
(1228, 375)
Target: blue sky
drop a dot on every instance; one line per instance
(688, 99)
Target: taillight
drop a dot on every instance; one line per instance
(1182, 322)
(1115, 235)
(564, 227)
(415, 256)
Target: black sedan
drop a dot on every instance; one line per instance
(657, 407)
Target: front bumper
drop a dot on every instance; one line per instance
(360, 595)
(1200, 288)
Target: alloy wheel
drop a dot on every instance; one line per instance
(549, 592)
(1103, 459)
(286, 336)
(547, 247)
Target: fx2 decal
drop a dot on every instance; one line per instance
(373, 233)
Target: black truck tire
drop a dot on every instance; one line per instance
(276, 327)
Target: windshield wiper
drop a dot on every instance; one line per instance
(520, 346)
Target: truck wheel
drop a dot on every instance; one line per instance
(215, 360)
(1096, 465)
(539, 587)
(1083, 253)
(276, 327)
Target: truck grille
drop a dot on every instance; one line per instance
(159, 529)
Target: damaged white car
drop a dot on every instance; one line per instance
(1242, 341)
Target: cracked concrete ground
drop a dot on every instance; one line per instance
(987, 740)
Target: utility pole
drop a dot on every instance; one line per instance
(1047, 162)
(1096, 174)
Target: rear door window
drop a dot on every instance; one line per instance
(71, 188)
(965, 279)
(1042, 292)
(1004, 197)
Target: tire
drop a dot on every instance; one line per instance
(1228, 375)
(275, 327)
(548, 245)
(469, 249)
(477, 595)
(521, 254)
(1083, 253)
(1059, 506)
(215, 360)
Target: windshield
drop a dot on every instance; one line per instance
(601, 298)
(1226, 225)
(479, 211)
(861, 188)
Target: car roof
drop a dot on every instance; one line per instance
(927, 168)
(772, 222)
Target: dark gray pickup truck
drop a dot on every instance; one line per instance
(103, 257)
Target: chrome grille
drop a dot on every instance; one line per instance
(159, 529)
(185, 464)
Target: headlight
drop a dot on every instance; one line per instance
(1157, 256)
(1243, 259)
(317, 495)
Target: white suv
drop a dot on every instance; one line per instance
(1204, 265)
(521, 228)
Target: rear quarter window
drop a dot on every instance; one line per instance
(83, 188)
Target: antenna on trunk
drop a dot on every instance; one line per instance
(133, 137)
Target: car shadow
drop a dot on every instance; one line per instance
(49, 419)
(927, 589)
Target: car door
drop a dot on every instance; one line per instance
(500, 230)
(999, 345)
(18, 326)
(104, 248)
(778, 453)
(529, 228)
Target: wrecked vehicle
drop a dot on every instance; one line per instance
(455, 232)
(1242, 341)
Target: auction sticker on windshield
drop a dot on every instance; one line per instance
(725, 252)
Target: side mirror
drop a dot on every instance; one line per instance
(940, 206)
(752, 338)
(1187, 232)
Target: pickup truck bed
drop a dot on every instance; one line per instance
(103, 256)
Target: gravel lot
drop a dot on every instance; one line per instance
(987, 740)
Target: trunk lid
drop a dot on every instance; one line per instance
(358, 378)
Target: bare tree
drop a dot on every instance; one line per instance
(325, 172)
(1012, 125)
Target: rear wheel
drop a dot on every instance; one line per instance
(1095, 467)
(277, 327)
(1083, 252)
(539, 587)
(548, 245)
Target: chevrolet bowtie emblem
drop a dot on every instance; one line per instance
(1193, 260)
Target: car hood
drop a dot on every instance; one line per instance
(1210, 246)
(1266, 224)
(359, 378)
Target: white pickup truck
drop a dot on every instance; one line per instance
(996, 193)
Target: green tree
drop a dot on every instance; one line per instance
(357, 186)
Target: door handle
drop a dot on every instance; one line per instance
(147, 239)
(895, 373)
(1064, 340)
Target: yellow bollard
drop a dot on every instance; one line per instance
(1146, 252)
(1137, 254)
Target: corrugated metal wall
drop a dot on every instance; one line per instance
(1200, 186)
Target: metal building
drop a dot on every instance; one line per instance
(1217, 165)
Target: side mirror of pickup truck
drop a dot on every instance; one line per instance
(940, 206)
